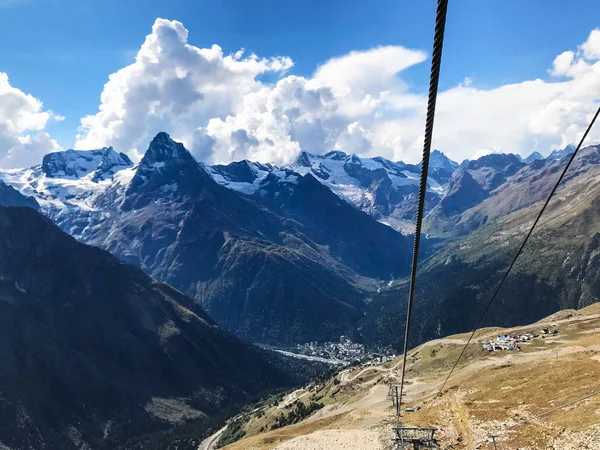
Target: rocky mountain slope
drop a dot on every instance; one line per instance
(9, 196)
(559, 268)
(95, 353)
(292, 254)
(468, 187)
(292, 265)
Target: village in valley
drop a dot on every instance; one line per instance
(345, 350)
(349, 352)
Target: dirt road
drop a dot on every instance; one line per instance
(210, 442)
(335, 440)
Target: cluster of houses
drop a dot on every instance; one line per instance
(345, 350)
(376, 358)
(512, 341)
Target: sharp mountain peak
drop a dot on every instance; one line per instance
(165, 151)
(167, 170)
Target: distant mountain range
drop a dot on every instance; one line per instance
(377, 186)
(283, 266)
(97, 354)
(559, 154)
(277, 255)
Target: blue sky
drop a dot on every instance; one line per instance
(62, 51)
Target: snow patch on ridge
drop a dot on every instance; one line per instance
(59, 193)
(240, 186)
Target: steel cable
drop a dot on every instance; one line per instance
(436, 61)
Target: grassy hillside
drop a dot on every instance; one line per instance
(500, 393)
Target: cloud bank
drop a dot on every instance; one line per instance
(22, 119)
(222, 108)
(175, 87)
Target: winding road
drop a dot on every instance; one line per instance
(210, 442)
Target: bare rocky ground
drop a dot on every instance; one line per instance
(335, 439)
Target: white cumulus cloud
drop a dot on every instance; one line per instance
(221, 108)
(172, 86)
(22, 121)
(533, 115)
(336, 108)
(591, 47)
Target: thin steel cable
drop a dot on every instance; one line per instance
(436, 62)
(488, 306)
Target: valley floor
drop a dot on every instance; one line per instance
(498, 393)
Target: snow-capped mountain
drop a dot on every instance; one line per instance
(560, 154)
(293, 248)
(535, 156)
(79, 163)
(76, 188)
(242, 176)
(352, 178)
(73, 186)
(71, 177)
(441, 167)
(68, 184)
(212, 231)
(380, 187)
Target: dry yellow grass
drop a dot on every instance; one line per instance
(270, 439)
(592, 309)
(501, 397)
(495, 392)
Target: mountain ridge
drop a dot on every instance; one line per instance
(9, 196)
(77, 163)
(558, 269)
(251, 224)
(283, 267)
